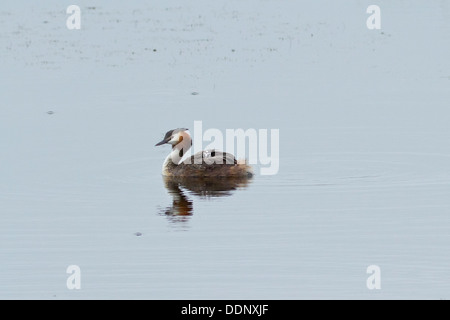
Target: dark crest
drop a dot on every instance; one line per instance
(169, 135)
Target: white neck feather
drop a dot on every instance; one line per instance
(176, 156)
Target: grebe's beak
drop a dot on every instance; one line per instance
(166, 140)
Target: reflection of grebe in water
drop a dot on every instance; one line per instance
(208, 163)
(181, 205)
(204, 187)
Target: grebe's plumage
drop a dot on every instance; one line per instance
(207, 163)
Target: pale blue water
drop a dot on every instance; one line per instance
(364, 159)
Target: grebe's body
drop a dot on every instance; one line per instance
(207, 163)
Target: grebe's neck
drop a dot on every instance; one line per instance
(178, 151)
(167, 164)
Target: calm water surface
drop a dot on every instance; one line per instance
(364, 173)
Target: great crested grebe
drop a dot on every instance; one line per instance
(203, 164)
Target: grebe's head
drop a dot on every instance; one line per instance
(174, 137)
